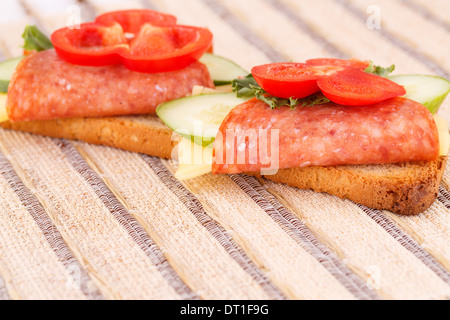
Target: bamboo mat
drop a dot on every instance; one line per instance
(79, 221)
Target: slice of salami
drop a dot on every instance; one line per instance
(44, 88)
(253, 137)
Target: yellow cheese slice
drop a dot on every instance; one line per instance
(444, 138)
(196, 90)
(3, 112)
(193, 160)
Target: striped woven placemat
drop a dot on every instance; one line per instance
(79, 221)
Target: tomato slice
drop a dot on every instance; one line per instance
(350, 63)
(291, 80)
(142, 40)
(352, 87)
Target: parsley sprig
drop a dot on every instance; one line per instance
(248, 88)
(379, 71)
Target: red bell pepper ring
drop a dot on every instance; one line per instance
(141, 40)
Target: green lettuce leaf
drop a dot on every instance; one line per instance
(35, 40)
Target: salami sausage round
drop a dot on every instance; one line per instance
(253, 137)
(45, 88)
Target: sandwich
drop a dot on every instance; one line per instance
(136, 80)
(125, 63)
(330, 125)
(101, 82)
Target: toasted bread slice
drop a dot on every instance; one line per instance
(143, 134)
(405, 188)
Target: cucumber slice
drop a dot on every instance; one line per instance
(7, 69)
(430, 91)
(198, 117)
(222, 70)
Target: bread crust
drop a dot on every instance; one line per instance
(405, 188)
(143, 134)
